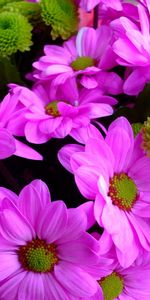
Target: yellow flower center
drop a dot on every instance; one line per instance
(82, 63)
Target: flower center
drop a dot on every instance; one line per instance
(37, 256)
(112, 286)
(123, 191)
(146, 137)
(52, 109)
(82, 63)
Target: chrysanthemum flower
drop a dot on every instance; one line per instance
(7, 144)
(45, 250)
(10, 110)
(67, 111)
(117, 283)
(132, 48)
(115, 173)
(84, 55)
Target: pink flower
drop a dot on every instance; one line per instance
(45, 250)
(132, 48)
(115, 174)
(7, 144)
(10, 110)
(90, 4)
(52, 113)
(82, 55)
(115, 282)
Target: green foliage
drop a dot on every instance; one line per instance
(4, 2)
(61, 15)
(30, 10)
(15, 33)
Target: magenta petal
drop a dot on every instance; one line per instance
(14, 226)
(83, 133)
(117, 225)
(31, 287)
(33, 133)
(88, 209)
(75, 280)
(25, 151)
(33, 199)
(77, 252)
(9, 289)
(86, 180)
(64, 128)
(76, 224)
(65, 154)
(119, 137)
(9, 264)
(52, 222)
(7, 144)
(140, 173)
(53, 289)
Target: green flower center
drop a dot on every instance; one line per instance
(146, 137)
(136, 128)
(82, 63)
(112, 286)
(37, 256)
(52, 109)
(123, 191)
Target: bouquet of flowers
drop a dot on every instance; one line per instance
(75, 126)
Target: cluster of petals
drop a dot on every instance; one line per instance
(7, 143)
(71, 111)
(10, 110)
(90, 4)
(132, 47)
(94, 166)
(83, 57)
(135, 280)
(32, 217)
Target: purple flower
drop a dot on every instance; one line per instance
(90, 4)
(82, 55)
(52, 113)
(132, 47)
(45, 250)
(116, 174)
(7, 144)
(11, 122)
(115, 282)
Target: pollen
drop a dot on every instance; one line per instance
(37, 256)
(123, 191)
(82, 63)
(52, 109)
(146, 137)
(112, 286)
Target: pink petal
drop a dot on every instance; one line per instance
(14, 226)
(53, 289)
(33, 199)
(83, 133)
(52, 222)
(25, 151)
(75, 280)
(119, 137)
(33, 133)
(9, 264)
(140, 173)
(7, 144)
(65, 154)
(31, 287)
(86, 180)
(9, 289)
(76, 225)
